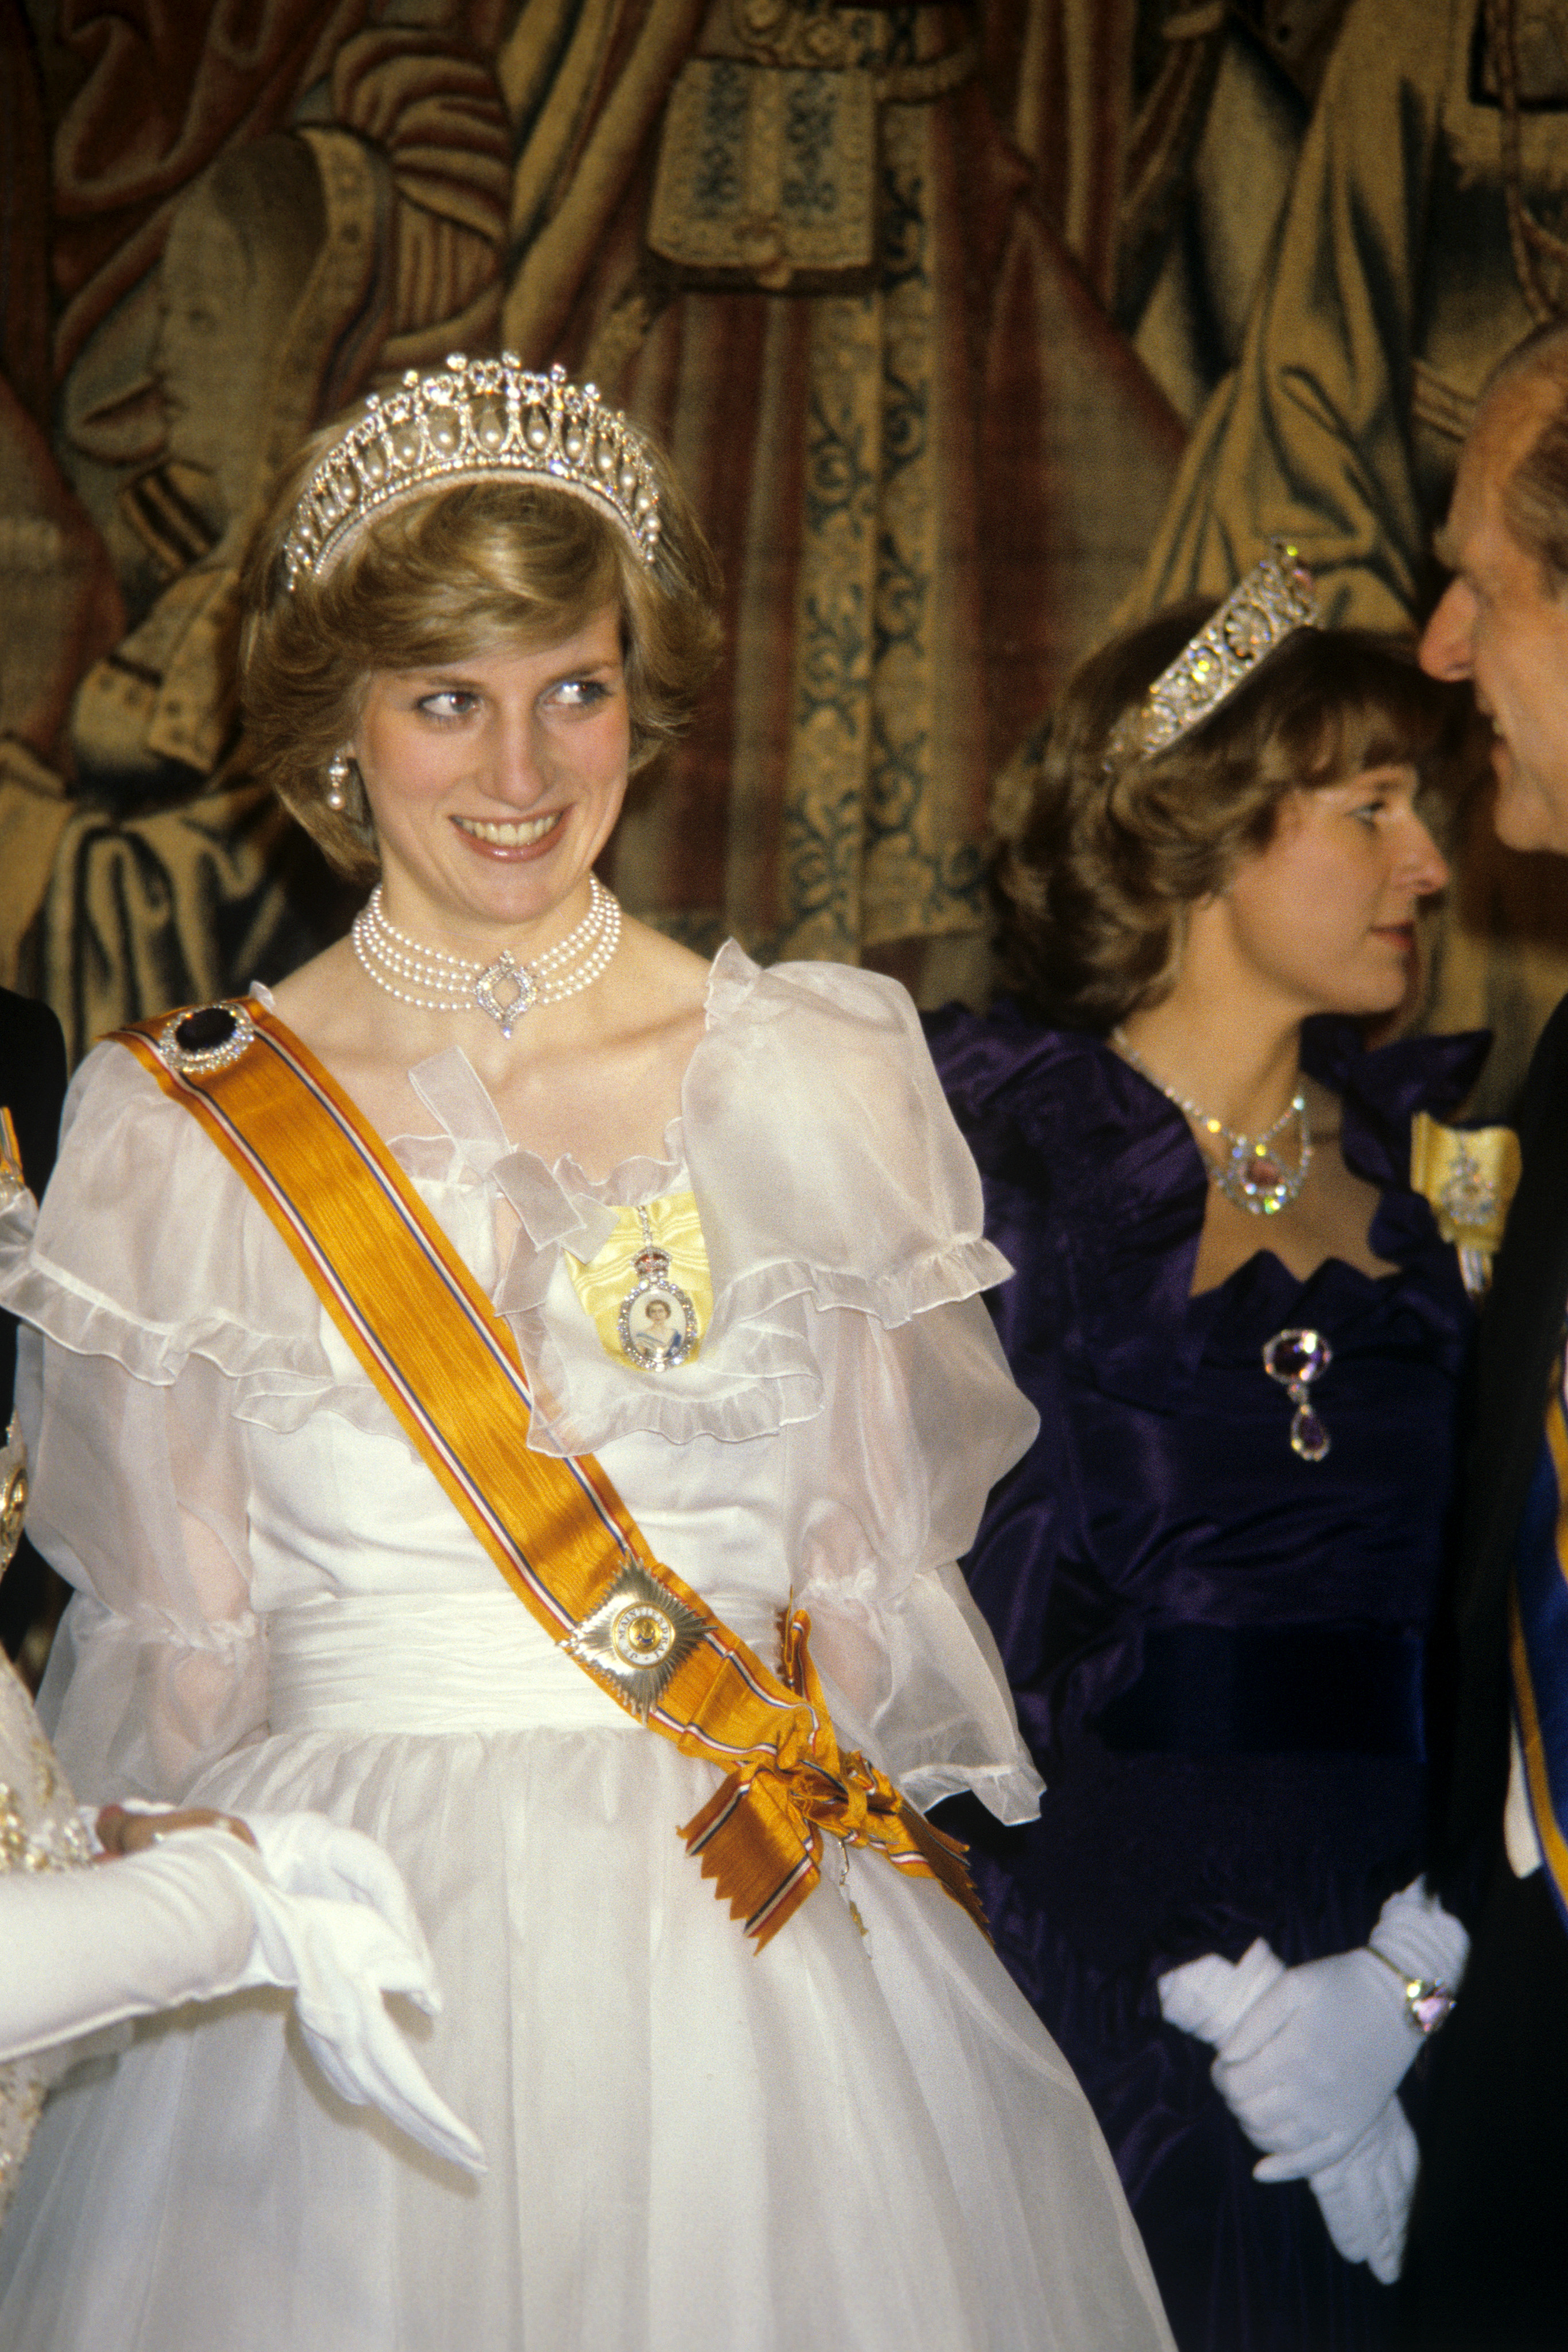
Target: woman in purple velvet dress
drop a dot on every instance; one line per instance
(1211, 1577)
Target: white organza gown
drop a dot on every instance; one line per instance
(858, 2140)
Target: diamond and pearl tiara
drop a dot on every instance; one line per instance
(469, 421)
(1274, 599)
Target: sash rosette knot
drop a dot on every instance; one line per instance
(760, 1836)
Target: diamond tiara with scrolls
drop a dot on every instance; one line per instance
(471, 420)
(1274, 599)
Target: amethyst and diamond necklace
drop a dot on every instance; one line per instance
(1251, 1175)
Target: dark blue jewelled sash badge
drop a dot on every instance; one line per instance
(209, 1037)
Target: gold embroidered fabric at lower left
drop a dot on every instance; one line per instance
(39, 1830)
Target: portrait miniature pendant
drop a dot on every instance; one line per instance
(657, 1322)
(1297, 1359)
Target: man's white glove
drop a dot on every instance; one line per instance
(1364, 2199)
(1315, 2059)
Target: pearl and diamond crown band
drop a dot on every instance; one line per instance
(1274, 599)
(471, 420)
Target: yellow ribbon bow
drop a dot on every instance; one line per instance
(1470, 1175)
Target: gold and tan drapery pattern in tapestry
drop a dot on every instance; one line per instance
(141, 863)
(905, 468)
(930, 463)
(1394, 289)
(923, 319)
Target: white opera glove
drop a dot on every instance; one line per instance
(334, 1923)
(308, 1854)
(198, 1916)
(1312, 2063)
(1365, 2197)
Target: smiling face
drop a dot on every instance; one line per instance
(493, 783)
(1322, 919)
(1500, 626)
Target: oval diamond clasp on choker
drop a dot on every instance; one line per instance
(208, 1038)
(1297, 1359)
(505, 991)
(657, 1322)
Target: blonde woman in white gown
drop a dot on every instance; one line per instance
(830, 2119)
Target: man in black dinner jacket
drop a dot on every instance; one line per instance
(1487, 2261)
(32, 1089)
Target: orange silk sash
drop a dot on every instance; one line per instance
(449, 1371)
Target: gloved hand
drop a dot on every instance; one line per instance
(1364, 2199)
(308, 1854)
(1363, 2196)
(1312, 2063)
(1209, 1996)
(334, 1922)
(197, 1916)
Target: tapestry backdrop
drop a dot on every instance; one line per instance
(970, 327)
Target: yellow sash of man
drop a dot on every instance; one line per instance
(447, 1366)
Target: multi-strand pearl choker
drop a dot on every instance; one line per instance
(504, 989)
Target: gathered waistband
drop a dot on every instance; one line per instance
(427, 1662)
(441, 1662)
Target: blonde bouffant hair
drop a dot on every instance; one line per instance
(1099, 857)
(466, 572)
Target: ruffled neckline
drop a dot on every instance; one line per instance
(809, 1129)
(1071, 1140)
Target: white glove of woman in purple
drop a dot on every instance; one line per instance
(1364, 2189)
(1364, 2199)
(1314, 2061)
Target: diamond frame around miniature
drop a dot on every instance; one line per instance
(470, 421)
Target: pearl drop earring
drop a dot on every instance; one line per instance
(337, 782)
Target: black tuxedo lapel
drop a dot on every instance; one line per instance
(1520, 1330)
(32, 1089)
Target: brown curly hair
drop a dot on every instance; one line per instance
(462, 573)
(1099, 859)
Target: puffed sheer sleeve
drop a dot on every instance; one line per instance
(822, 1129)
(134, 1287)
(892, 1480)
